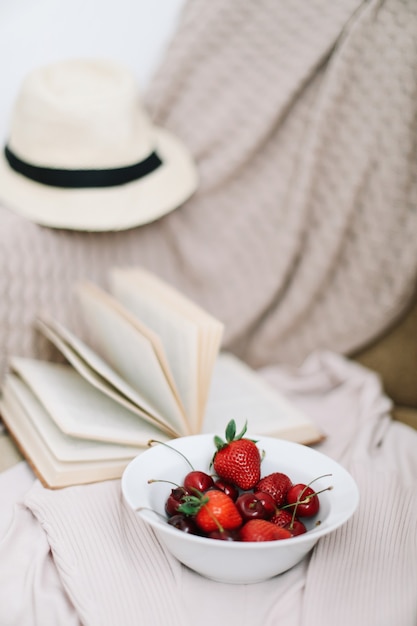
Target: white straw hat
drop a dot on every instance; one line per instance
(83, 154)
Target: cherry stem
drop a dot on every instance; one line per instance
(306, 499)
(318, 478)
(214, 518)
(160, 480)
(152, 441)
(311, 495)
(148, 508)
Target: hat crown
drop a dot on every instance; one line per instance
(80, 114)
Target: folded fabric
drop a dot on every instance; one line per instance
(80, 556)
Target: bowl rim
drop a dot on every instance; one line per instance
(314, 534)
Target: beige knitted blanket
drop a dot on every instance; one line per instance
(302, 119)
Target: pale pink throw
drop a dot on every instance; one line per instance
(80, 556)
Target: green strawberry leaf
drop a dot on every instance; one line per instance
(231, 436)
(230, 431)
(243, 431)
(218, 442)
(192, 504)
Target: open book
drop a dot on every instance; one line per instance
(150, 370)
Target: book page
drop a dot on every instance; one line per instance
(62, 446)
(78, 408)
(211, 347)
(99, 374)
(179, 337)
(105, 462)
(130, 352)
(239, 393)
(190, 336)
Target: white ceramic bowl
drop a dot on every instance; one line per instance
(238, 562)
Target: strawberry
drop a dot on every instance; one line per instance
(237, 460)
(284, 519)
(262, 530)
(281, 518)
(276, 484)
(213, 510)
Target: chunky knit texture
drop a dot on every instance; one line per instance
(302, 119)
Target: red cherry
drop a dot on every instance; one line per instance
(197, 480)
(304, 499)
(224, 535)
(268, 503)
(174, 500)
(229, 489)
(250, 507)
(296, 528)
(184, 523)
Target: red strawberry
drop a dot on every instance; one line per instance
(286, 519)
(262, 530)
(277, 485)
(281, 518)
(237, 460)
(213, 510)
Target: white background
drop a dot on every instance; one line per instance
(36, 32)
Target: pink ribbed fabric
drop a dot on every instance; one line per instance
(105, 567)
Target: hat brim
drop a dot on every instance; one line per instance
(111, 208)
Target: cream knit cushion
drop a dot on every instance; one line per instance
(301, 117)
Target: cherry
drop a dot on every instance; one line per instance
(174, 500)
(304, 499)
(230, 490)
(268, 503)
(197, 480)
(296, 527)
(224, 535)
(184, 523)
(250, 507)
